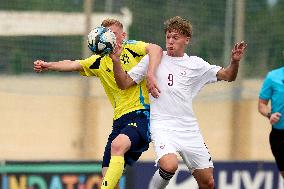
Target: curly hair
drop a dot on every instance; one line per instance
(178, 24)
(110, 22)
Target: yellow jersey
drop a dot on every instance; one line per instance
(123, 101)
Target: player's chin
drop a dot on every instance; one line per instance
(170, 52)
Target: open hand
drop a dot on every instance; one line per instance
(238, 51)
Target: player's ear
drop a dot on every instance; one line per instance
(123, 35)
(187, 40)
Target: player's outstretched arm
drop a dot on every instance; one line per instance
(155, 53)
(122, 79)
(62, 66)
(230, 73)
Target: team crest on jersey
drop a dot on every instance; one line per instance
(183, 73)
(125, 59)
(162, 146)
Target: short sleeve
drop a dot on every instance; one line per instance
(138, 47)
(138, 72)
(210, 73)
(266, 89)
(207, 73)
(90, 65)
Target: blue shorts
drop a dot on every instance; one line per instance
(136, 126)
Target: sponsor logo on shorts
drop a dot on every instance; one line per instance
(132, 124)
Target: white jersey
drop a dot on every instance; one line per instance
(179, 79)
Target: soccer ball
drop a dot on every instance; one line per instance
(101, 40)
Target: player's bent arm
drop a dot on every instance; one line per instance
(263, 108)
(64, 66)
(229, 73)
(122, 79)
(155, 53)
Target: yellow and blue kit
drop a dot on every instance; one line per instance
(131, 106)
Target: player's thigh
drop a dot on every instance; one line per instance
(136, 127)
(169, 162)
(120, 144)
(164, 142)
(107, 153)
(138, 144)
(194, 152)
(137, 141)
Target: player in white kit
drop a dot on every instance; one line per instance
(174, 128)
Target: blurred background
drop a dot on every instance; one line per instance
(67, 117)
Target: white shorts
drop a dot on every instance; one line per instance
(189, 144)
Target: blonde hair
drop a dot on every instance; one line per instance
(110, 22)
(178, 24)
